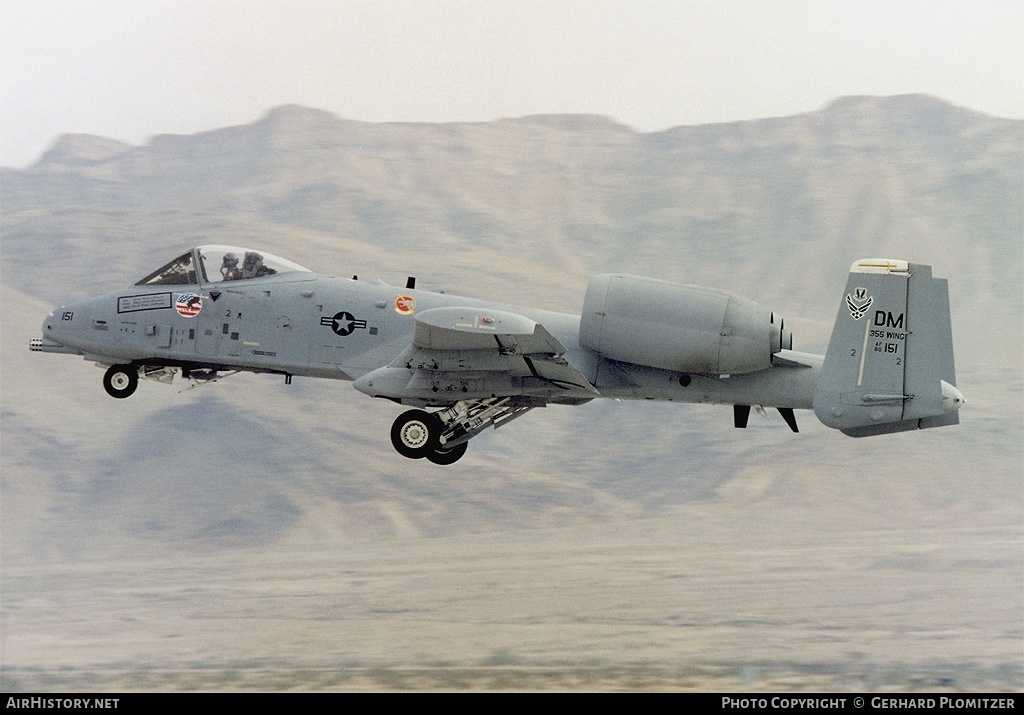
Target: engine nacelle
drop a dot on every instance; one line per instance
(683, 328)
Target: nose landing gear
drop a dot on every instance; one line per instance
(120, 381)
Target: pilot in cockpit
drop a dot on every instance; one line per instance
(229, 267)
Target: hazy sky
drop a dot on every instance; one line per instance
(132, 69)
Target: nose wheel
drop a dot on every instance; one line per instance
(120, 381)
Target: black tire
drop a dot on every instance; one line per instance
(448, 456)
(416, 434)
(120, 381)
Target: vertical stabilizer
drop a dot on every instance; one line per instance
(889, 365)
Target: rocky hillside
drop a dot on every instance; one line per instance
(777, 207)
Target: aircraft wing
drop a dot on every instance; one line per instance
(476, 353)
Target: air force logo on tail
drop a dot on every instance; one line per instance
(859, 303)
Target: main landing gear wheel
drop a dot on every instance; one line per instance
(416, 434)
(120, 381)
(448, 456)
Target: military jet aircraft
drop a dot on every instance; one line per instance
(220, 309)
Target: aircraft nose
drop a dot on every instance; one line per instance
(56, 332)
(52, 326)
(47, 327)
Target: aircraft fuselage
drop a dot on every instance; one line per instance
(311, 325)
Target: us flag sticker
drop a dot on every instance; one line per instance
(188, 305)
(405, 305)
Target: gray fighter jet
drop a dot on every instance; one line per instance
(220, 309)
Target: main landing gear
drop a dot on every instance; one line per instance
(417, 434)
(442, 437)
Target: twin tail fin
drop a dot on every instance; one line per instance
(889, 365)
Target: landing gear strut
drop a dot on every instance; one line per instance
(120, 381)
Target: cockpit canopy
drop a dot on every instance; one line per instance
(220, 263)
